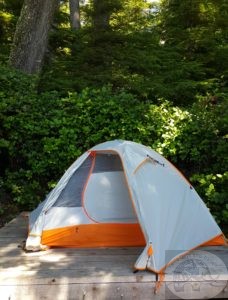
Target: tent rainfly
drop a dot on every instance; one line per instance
(121, 193)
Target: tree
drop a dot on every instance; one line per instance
(74, 14)
(31, 35)
(9, 14)
(198, 31)
(102, 11)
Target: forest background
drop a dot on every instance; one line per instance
(77, 73)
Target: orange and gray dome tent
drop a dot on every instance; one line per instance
(121, 193)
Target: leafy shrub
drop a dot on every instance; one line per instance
(83, 59)
(42, 134)
(201, 151)
(214, 187)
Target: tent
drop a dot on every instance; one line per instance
(121, 193)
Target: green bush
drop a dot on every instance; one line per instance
(42, 134)
(214, 187)
(83, 59)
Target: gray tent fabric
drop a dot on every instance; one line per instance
(71, 195)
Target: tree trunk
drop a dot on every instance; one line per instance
(74, 14)
(31, 35)
(101, 14)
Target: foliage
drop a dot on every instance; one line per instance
(173, 51)
(150, 72)
(42, 134)
(198, 29)
(215, 189)
(154, 73)
(9, 13)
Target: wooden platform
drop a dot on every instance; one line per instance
(104, 273)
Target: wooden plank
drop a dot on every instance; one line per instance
(5, 240)
(100, 251)
(111, 291)
(88, 274)
(21, 219)
(16, 228)
(12, 241)
(195, 290)
(200, 265)
(83, 292)
(18, 222)
(15, 242)
(86, 254)
(13, 232)
(9, 245)
(16, 257)
(71, 264)
(18, 225)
